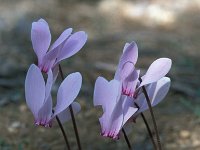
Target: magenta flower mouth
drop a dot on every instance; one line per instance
(44, 123)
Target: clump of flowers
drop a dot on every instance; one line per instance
(123, 97)
(38, 92)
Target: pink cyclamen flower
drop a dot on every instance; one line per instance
(64, 47)
(117, 109)
(128, 75)
(126, 72)
(39, 100)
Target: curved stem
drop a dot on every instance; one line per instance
(152, 115)
(63, 132)
(126, 139)
(148, 128)
(72, 115)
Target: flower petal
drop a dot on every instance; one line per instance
(56, 47)
(55, 72)
(34, 89)
(49, 84)
(68, 91)
(127, 61)
(158, 69)
(128, 109)
(65, 115)
(41, 38)
(61, 38)
(73, 44)
(161, 90)
(156, 92)
(106, 93)
(45, 113)
(125, 47)
(111, 122)
(130, 83)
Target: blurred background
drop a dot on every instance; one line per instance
(161, 28)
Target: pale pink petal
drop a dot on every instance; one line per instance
(34, 89)
(49, 84)
(65, 115)
(52, 54)
(45, 113)
(161, 90)
(125, 47)
(62, 38)
(158, 69)
(68, 91)
(73, 44)
(129, 84)
(55, 72)
(106, 93)
(128, 109)
(41, 38)
(111, 122)
(156, 92)
(127, 61)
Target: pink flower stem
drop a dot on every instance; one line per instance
(126, 139)
(148, 128)
(152, 115)
(72, 115)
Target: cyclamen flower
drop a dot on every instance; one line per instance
(39, 100)
(128, 75)
(126, 72)
(117, 109)
(64, 47)
(119, 96)
(154, 80)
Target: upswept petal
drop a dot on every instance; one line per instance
(73, 44)
(62, 38)
(34, 89)
(41, 38)
(156, 92)
(127, 61)
(52, 54)
(106, 93)
(111, 122)
(158, 69)
(130, 83)
(45, 113)
(128, 109)
(49, 84)
(161, 90)
(68, 91)
(55, 71)
(125, 47)
(65, 115)
(49, 59)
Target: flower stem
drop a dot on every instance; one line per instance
(126, 139)
(148, 128)
(72, 115)
(63, 132)
(152, 115)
